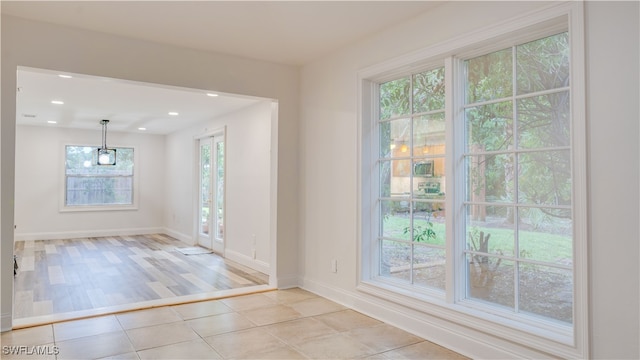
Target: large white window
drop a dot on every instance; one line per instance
(472, 189)
(90, 185)
(518, 219)
(411, 164)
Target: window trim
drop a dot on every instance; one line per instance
(569, 341)
(64, 208)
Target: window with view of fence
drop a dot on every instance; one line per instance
(87, 184)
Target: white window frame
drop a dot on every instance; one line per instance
(89, 208)
(565, 341)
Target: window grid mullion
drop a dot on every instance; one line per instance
(411, 194)
(517, 151)
(516, 212)
(517, 97)
(455, 259)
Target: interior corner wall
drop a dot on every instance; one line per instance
(40, 150)
(47, 46)
(247, 202)
(329, 163)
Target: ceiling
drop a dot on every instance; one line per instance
(286, 32)
(128, 105)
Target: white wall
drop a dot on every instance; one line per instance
(248, 206)
(47, 46)
(40, 166)
(328, 172)
(613, 61)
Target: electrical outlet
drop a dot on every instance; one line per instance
(334, 266)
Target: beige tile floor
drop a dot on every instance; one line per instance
(282, 324)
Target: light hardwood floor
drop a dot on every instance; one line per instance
(81, 275)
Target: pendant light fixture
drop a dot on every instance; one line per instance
(104, 155)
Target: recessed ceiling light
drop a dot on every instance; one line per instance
(51, 122)
(57, 102)
(65, 76)
(173, 113)
(142, 128)
(212, 94)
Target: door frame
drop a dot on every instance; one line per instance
(220, 133)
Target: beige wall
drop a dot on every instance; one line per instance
(317, 185)
(329, 188)
(247, 204)
(37, 201)
(40, 45)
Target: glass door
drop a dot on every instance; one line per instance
(219, 184)
(211, 198)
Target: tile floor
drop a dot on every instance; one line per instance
(281, 324)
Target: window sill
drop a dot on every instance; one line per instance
(547, 336)
(88, 208)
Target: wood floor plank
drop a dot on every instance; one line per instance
(58, 276)
(160, 289)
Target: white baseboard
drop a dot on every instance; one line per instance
(86, 233)
(187, 239)
(247, 261)
(455, 337)
(288, 281)
(5, 322)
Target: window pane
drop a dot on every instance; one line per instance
(428, 91)
(101, 190)
(546, 235)
(220, 189)
(489, 127)
(395, 178)
(544, 178)
(89, 184)
(543, 121)
(395, 260)
(491, 280)
(429, 223)
(394, 98)
(428, 135)
(428, 267)
(491, 229)
(205, 191)
(394, 138)
(80, 161)
(395, 219)
(546, 291)
(543, 64)
(490, 178)
(429, 178)
(489, 77)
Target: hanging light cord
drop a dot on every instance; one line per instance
(104, 134)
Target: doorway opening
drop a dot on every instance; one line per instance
(167, 183)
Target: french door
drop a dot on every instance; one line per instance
(211, 197)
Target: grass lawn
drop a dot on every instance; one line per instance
(535, 245)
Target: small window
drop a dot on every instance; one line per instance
(87, 184)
